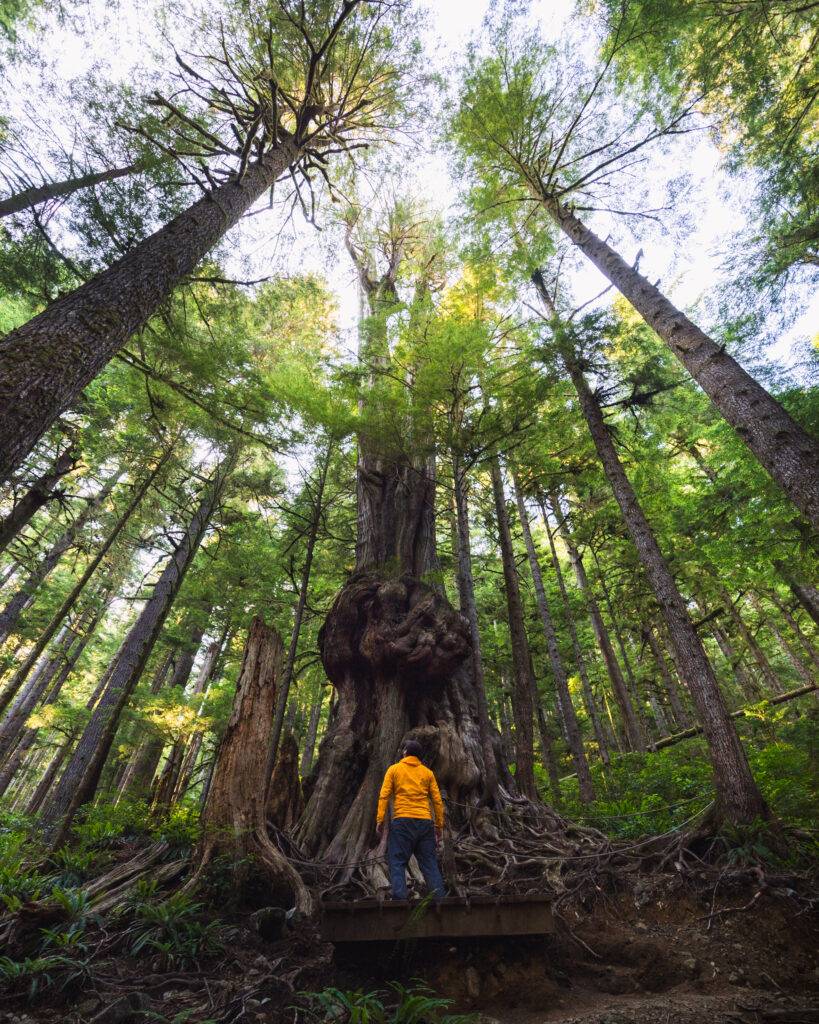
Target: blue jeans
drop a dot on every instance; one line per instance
(410, 836)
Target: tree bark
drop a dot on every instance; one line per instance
(46, 363)
(136, 782)
(301, 604)
(59, 664)
(633, 732)
(522, 705)
(808, 597)
(469, 609)
(81, 777)
(780, 444)
(233, 819)
(547, 752)
(43, 490)
(738, 797)
(37, 194)
(571, 726)
(285, 799)
(20, 600)
(166, 785)
(209, 672)
(50, 774)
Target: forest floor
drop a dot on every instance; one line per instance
(657, 950)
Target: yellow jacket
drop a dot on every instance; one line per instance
(412, 786)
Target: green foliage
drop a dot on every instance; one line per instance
(414, 1004)
(103, 822)
(173, 929)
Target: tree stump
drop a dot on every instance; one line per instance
(234, 819)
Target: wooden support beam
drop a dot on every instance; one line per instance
(453, 917)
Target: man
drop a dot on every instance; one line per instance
(412, 786)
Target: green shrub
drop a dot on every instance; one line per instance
(653, 793)
(415, 1004)
(174, 929)
(101, 823)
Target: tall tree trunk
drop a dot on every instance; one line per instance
(805, 594)
(50, 774)
(69, 660)
(788, 453)
(765, 668)
(20, 600)
(571, 726)
(37, 194)
(138, 776)
(522, 705)
(547, 752)
(801, 668)
(631, 725)
(46, 363)
(631, 682)
(310, 736)
(79, 781)
(43, 490)
(747, 684)
(67, 650)
(207, 675)
(738, 796)
(786, 614)
(88, 572)
(506, 729)
(469, 609)
(166, 785)
(681, 718)
(301, 604)
(589, 700)
(234, 818)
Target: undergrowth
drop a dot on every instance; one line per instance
(653, 793)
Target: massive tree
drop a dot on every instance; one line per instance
(394, 649)
(294, 92)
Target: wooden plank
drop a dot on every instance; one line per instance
(452, 918)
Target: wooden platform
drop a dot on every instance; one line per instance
(454, 917)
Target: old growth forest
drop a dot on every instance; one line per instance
(375, 371)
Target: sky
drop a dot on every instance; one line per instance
(120, 36)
